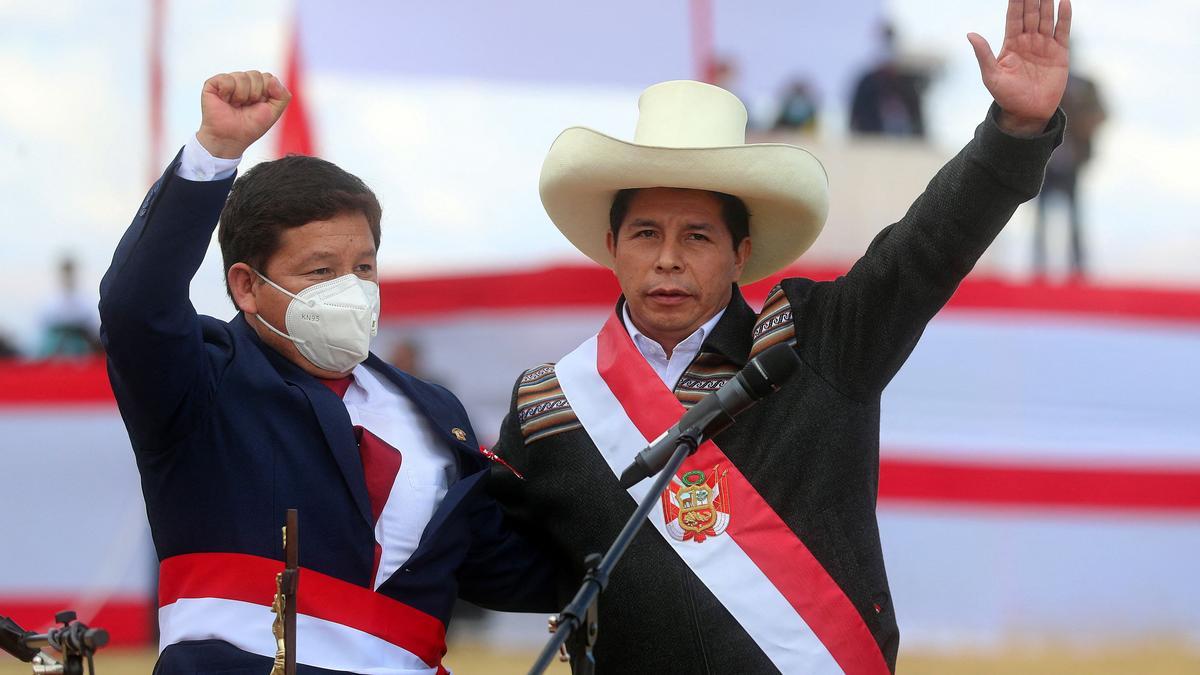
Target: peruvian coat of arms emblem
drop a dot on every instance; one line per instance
(697, 505)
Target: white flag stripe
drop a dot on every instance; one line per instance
(987, 386)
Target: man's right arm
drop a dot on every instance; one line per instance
(150, 330)
(156, 353)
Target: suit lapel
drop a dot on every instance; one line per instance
(731, 336)
(442, 419)
(331, 417)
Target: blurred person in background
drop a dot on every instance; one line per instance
(70, 324)
(8, 350)
(765, 555)
(888, 98)
(232, 423)
(406, 355)
(1085, 108)
(798, 109)
(724, 72)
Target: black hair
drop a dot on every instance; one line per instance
(286, 193)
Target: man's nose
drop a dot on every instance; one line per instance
(670, 258)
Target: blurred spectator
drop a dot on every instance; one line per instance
(798, 109)
(1085, 115)
(723, 72)
(888, 97)
(7, 349)
(70, 322)
(406, 355)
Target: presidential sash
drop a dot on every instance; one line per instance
(339, 625)
(715, 520)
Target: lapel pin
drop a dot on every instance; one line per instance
(459, 434)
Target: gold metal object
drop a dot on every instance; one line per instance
(287, 583)
(279, 608)
(552, 624)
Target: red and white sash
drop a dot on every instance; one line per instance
(339, 626)
(739, 548)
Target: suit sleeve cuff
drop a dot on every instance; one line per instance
(1019, 162)
(197, 164)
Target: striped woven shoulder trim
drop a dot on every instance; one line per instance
(708, 373)
(542, 409)
(774, 324)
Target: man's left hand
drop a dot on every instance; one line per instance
(1029, 76)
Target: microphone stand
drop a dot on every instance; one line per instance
(74, 640)
(581, 611)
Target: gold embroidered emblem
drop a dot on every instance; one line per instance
(459, 434)
(697, 505)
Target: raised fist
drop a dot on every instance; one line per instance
(237, 109)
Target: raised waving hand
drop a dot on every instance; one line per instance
(1028, 77)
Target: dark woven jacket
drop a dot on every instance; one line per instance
(811, 449)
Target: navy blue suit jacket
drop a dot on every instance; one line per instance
(228, 435)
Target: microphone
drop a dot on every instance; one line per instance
(764, 374)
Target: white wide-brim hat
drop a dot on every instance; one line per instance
(689, 135)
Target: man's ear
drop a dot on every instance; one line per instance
(611, 242)
(242, 279)
(740, 256)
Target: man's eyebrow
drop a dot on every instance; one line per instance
(650, 222)
(317, 256)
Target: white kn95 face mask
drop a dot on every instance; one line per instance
(331, 323)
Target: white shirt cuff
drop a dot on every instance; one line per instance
(198, 165)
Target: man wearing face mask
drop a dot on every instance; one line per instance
(284, 406)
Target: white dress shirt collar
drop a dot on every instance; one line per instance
(669, 369)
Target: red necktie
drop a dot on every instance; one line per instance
(381, 464)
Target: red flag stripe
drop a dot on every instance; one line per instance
(1123, 488)
(55, 383)
(755, 526)
(701, 14)
(295, 130)
(129, 619)
(155, 126)
(587, 285)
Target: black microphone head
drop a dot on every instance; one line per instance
(770, 369)
(633, 474)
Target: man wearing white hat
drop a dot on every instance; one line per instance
(765, 554)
